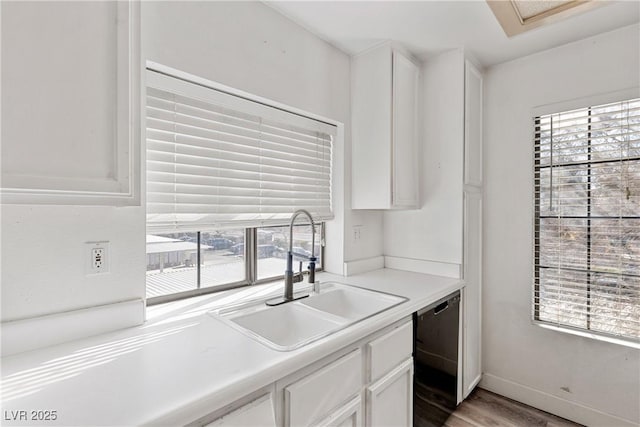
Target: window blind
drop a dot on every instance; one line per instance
(216, 160)
(587, 219)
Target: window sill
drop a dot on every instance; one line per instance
(591, 335)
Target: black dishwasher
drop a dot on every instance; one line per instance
(435, 383)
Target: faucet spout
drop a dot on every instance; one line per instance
(288, 274)
(289, 277)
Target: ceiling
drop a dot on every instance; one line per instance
(429, 27)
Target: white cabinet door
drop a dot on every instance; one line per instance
(472, 302)
(384, 108)
(472, 259)
(71, 115)
(390, 399)
(405, 140)
(349, 415)
(371, 79)
(315, 396)
(472, 125)
(258, 413)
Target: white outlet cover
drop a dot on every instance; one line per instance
(90, 249)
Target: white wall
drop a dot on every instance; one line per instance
(555, 371)
(434, 232)
(251, 47)
(246, 45)
(57, 90)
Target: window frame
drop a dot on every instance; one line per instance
(586, 103)
(250, 229)
(250, 267)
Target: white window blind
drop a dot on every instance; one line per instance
(216, 160)
(587, 219)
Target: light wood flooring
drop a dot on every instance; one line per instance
(485, 409)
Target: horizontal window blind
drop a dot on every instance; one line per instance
(216, 160)
(587, 219)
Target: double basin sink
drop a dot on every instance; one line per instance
(294, 324)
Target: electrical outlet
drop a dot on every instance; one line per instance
(357, 232)
(98, 258)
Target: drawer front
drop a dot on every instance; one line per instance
(390, 350)
(313, 397)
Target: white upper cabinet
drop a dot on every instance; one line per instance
(384, 134)
(71, 103)
(389, 395)
(472, 125)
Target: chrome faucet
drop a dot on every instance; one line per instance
(289, 277)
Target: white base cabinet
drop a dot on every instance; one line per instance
(378, 373)
(369, 383)
(389, 391)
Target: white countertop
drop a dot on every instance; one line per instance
(182, 363)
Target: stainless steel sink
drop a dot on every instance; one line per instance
(298, 323)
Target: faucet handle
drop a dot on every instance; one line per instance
(312, 269)
(297, 277)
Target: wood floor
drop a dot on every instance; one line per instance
(485, 409)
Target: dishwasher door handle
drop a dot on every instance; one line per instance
(440, 308)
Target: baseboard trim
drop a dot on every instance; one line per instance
(29, 334)
(553, 404)
(423, 266)
(362, 265)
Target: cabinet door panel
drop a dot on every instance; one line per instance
(405, 107)
(390, 400)
(472, 318)
(390, 350)
(70, 115)
(472, 126)
(371, 80)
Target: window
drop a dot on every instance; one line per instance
(587, 220)
(184, 263)
(224, 175)
(273, 244)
